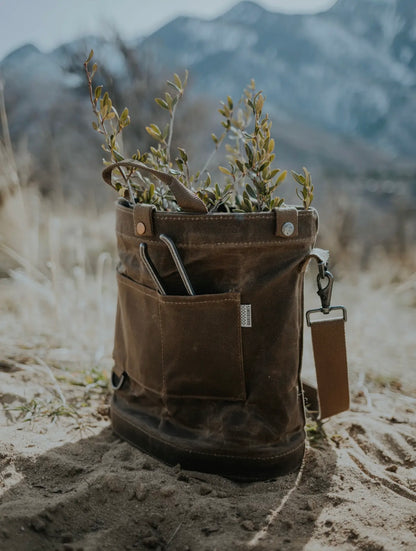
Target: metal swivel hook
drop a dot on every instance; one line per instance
(325, 292)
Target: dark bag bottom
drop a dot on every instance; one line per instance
(146, 433)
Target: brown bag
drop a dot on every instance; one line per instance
(208, 336)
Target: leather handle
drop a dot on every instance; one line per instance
(186, 199)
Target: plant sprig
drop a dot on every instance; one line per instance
(305, 193)
(251, 178)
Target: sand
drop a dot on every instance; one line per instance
(67, 483)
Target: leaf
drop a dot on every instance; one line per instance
(214, 139)
(185, 80)
(156, 129)
(224, 170)
(298, 177)
(95, 125)
(118, 157)
(165, 131)
(98, 91)
(251, 191)
(178, 81)
(259, 104)
(162, 103)
(91, 54)
(173, 86)
(154, 133)
(281, 177)
(183, 154)
(264, 166)
(249, 153)
(168, 99)
(124, 117)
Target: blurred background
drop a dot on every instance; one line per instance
(340, 84)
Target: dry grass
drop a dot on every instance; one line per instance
(58, 305)
(58, 296)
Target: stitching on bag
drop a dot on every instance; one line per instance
(218, 218)
(162, 354)
(124, 280)
(201, 301)
(279, 241)
(221, 217)
(265, 459)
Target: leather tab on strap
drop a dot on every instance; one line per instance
(328, 339)
(143, 220)
(286, 222)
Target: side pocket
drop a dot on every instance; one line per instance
(137, 343)
(201, 346)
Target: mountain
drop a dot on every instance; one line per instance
(349, 70)
(340, 85)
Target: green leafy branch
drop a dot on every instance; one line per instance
(255, 160)
(251, 178)
(305, 193)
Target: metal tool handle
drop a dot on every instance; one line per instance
(150, 268)
(178, 262)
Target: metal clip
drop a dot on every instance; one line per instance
(325, 293)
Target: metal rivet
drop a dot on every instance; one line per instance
(288, 228)
(141, 228)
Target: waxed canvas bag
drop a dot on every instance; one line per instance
(208, 335)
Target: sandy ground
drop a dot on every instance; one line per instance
(67, 483)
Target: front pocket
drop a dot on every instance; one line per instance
(180, 346)
(201, 346)
(137, 342)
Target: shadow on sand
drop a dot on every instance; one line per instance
(100, 493)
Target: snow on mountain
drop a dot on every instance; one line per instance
(350, 69)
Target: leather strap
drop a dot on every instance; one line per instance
(186, 199)
(328, 340)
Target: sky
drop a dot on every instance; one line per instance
(49, 23)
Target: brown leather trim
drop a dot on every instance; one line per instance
(328, 339)
(143, 220)
(218, 228)
(286, 222)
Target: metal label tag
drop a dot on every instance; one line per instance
(245, 311)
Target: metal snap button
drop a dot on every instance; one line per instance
(288, 228)
(141, 228)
